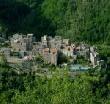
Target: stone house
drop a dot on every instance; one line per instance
(68, 51)
(54, 56)
(37, 48)
(66, 41)
(54, 42)
(84, 51)
(46, 55)
(58, 42)
(44, 41)
(94, 56)
(50, 55)
(49, 42)
(22, 43)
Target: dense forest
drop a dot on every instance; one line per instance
(92, 87)
(82, 20)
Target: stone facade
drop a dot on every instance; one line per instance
(94, 56)
(22, 43)
(68, 51)
(37, 48)
(44, 41)
(66, 41)
(49, 48)
(50, 55)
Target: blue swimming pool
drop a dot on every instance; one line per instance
(78, 67)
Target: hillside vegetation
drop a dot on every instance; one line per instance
(87, 20)
(78, 20)
(92, 87)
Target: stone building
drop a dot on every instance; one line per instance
(49, 42)
(68, 51)
(46, 55)
(94, 56)
(54, 56)
(22, 43)
(52, 42)
(84, 51)
(58, 42)
(66, 41)
(37, 48)
(50, 55)
(44, 41)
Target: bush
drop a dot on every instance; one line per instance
(2, 60)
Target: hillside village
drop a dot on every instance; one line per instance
(26, 48)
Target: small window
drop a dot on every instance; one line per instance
(68, 49)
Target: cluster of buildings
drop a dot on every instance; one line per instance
(27, 47)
